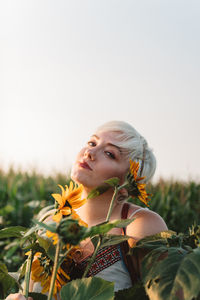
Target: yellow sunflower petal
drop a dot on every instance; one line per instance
(77, 203)
(134, 166)
(53, 236)
(76, 216)
(71, 186)
(59, 199)
(63, 273)
(82, 223)
(57, 217)
(62, 189)
(65, 211)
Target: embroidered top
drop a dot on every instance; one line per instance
(109, 265)
(106, 257)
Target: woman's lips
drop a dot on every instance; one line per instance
(84, 165)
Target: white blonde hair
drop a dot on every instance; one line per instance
(134, 146)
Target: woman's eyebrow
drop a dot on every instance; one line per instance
(118, 148)
(109, 144)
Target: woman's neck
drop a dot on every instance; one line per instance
(95, 210)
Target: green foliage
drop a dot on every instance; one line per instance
(13, 231)
(175, 273)
(105, 227)
(171, 267)
(177, 202)
(136, 292)
(7, 283)
(92, 288)
(22, 196)
(37, 296)
(113, 181)
(70, 232)
(98, 191)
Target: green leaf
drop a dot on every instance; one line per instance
(32, 230)
(6, 281)
(6, 210)
(112, 181)
(22, 270)
(154, 241)
(48, 246)
(105, 227)
(135, 292)
(188, 275)
(122, 223)
(35, 247)
(45, 226)
(37, 296)
(13, 231)
(172, 274)
(113, 239)
(98, 191)
(92, 288)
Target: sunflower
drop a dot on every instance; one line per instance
(41, 271)
(53, 236)
(135, 188)
(69, 200)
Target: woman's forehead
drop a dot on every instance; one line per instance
(112, 138)
(108, 135)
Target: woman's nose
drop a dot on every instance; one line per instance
(89, 154)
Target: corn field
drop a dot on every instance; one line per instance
(23, 195)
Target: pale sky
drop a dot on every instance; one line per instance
(66, 67)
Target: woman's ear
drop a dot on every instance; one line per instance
(122, 195)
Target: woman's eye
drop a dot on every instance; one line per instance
(110, 154)
(91, 144)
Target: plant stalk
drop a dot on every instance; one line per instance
(117, 189)
(93, 257)
(27, 275)
(55, 268)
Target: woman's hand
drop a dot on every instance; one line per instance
(17, 296)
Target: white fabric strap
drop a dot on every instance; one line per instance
(136, 211)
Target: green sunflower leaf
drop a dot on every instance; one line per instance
(92, 288)
(7, 282)
(12, 231)
(172, 273)
(112, 181)
(98, 191)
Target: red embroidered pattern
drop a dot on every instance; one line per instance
(106, 257)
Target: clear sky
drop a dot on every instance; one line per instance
(68, 66)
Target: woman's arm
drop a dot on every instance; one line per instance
(146, 223)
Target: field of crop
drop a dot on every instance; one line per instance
(23, 195)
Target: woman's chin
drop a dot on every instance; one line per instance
(80, 178)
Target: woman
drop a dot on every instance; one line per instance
(107, 155)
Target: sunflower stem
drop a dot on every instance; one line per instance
(27, 274)
(55, 268)
(93, 257)
(62, 258)
(117, 189)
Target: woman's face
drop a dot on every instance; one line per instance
(99, 160)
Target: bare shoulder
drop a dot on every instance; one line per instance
(146, 222)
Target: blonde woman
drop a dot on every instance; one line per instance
(106, 154)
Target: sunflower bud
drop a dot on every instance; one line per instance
(70, 231)
(132, 186)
